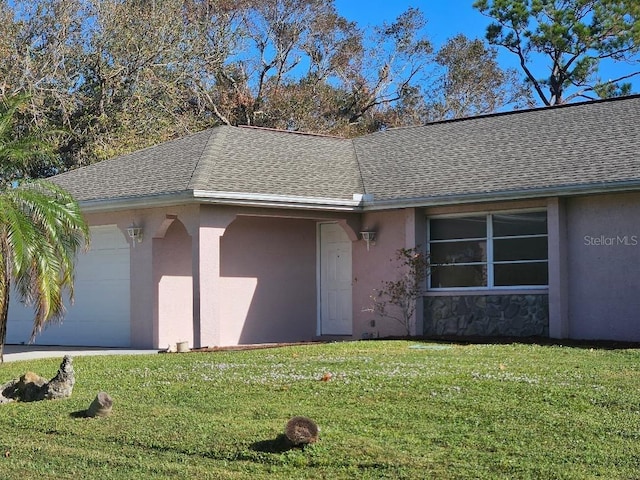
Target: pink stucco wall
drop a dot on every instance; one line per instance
(603, 240)
(394, 229)
(268, 284)
(173, 277)
(214, 275)
(592, 251)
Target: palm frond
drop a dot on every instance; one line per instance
(42, 229)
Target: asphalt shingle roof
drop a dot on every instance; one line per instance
(580, 144)
(279, 163)
(225, 159)
(164, 168)
(555, 147)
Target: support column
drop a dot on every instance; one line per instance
(206, 274)
(558, 269)
(142, 306)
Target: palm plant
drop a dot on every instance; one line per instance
(41, 228)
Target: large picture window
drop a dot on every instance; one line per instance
(489, 251)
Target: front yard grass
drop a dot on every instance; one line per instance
(389, 410)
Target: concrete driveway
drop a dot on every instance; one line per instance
(13, 353)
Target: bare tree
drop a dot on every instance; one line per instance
(471, 82)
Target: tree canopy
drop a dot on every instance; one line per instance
(117, 76)
(574, 37)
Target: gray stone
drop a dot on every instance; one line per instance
(31, 387)
(495, 315)
(61, 386)
(462, 306)
(511, 311)
(101, 406)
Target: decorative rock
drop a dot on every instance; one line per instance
(301, 431)
(101, 406)
(61, 386)
(31, 387)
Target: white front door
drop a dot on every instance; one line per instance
(335, 281)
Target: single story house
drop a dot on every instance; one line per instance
(246, 235)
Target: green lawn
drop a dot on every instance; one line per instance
(388, 411)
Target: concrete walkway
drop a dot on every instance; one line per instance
(13, 353)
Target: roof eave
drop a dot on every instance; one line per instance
(222, 198)
(280, 201)
(507, 195)
(136, 202)
(359, 203)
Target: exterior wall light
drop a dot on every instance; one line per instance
(369, 236)
(135, 234)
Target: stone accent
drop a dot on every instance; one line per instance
(31, 387)
(61, 386)
(514, 315)
(101, 406)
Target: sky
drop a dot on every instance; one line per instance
(445, 19)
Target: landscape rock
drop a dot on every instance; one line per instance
(31, 387)
(101, 406)
(61, 386)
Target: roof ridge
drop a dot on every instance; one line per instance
(511, 112)
(293, 132)
(358, 166)
(215, 139)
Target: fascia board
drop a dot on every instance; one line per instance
(138, 202)
(277, 201)
(221, 198)
(509, 195)
(360, 203)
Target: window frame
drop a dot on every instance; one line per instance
(490, 262)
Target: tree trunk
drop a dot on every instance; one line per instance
(301, 431)
(5, 287)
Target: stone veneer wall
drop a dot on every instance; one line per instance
(487, 315)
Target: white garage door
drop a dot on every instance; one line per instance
(100, 315)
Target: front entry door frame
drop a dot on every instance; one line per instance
(334, 272)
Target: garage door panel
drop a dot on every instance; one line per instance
(111, 263)
(104, 305)
(100, 315)
(103, 267)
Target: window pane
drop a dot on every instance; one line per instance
(459, 276)
(452, 228)
(459, 252)
(520, 274)
(531, 223)
(520, 249)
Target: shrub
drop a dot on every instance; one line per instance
(397, 299)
